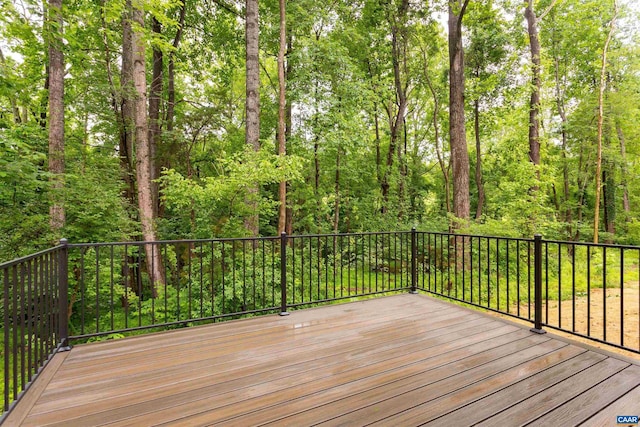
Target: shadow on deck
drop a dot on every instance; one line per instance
(399, 360)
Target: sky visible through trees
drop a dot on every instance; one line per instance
(188, 120)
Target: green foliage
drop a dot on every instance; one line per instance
(342, 93)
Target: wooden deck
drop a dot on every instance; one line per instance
(397, 361)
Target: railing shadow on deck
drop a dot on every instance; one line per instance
(90, 291)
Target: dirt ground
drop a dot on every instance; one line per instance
(595, 327)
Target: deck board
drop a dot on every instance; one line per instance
(399, 360)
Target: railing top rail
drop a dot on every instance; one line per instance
(600, 245)
(480, 236)
(363, 233)
(230, 239)
(29, 257)
(158, 242)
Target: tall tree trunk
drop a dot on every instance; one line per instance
(396, 121)
(603, 83)
(155, 96)
(56, 115)
(164, 161)
(568, 214)
(252, 105)
(479, 184)
(436, 129)
(608, 179)
(126, 110)
(336, 213)
(534, 101)
(377, 128)
(625, 171)
(171, 88)
(144, 162)
(282, 106)
(457, 134)
(288, 129)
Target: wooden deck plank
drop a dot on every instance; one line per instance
(490, 403)
(553, 397)
(135, 386)
(593, 400)
(279, 368)
(79, 365)
(399, 360)
(206, 353)
(372, 408)
(270, 396)
(312, 408)
(629, 404)
(418, 407)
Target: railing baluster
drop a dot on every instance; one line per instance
(6, 347)
(97, 289)
(63, 281)
(414, 255)
(559, 286)
(573, 287)
(283, 274)
(588, 290)
(622, 297)
(537, 259)
(604, 293)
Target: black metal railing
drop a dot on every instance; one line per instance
(84, 292)
(34, 318)
(112, 291)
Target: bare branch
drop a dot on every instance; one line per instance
(547, 10)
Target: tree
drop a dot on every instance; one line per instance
(398, 21)
(56, 114)
(534, 101)
(252, 103)
(457, 133)
(602, 87)
(282, 119)
(144, 160)
(484, 55)
(155, 98)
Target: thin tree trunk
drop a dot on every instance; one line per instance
(155, 96)
(377, 127)
(56, 116)
(126, 110)
(603, 71)
(403, 177)
(282, 147)
(534, 102)
(565, 166)
(252, 105)
(396, 121)
(457, 134)
(436, 130)
(625, 171)
(144, 162)
(171, 89)
(336, 213)
(479, 184)
(288, 130)
(608, 178)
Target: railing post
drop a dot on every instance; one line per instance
(283, 274)
(537, 281)
(414, 256)
(63, 295)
